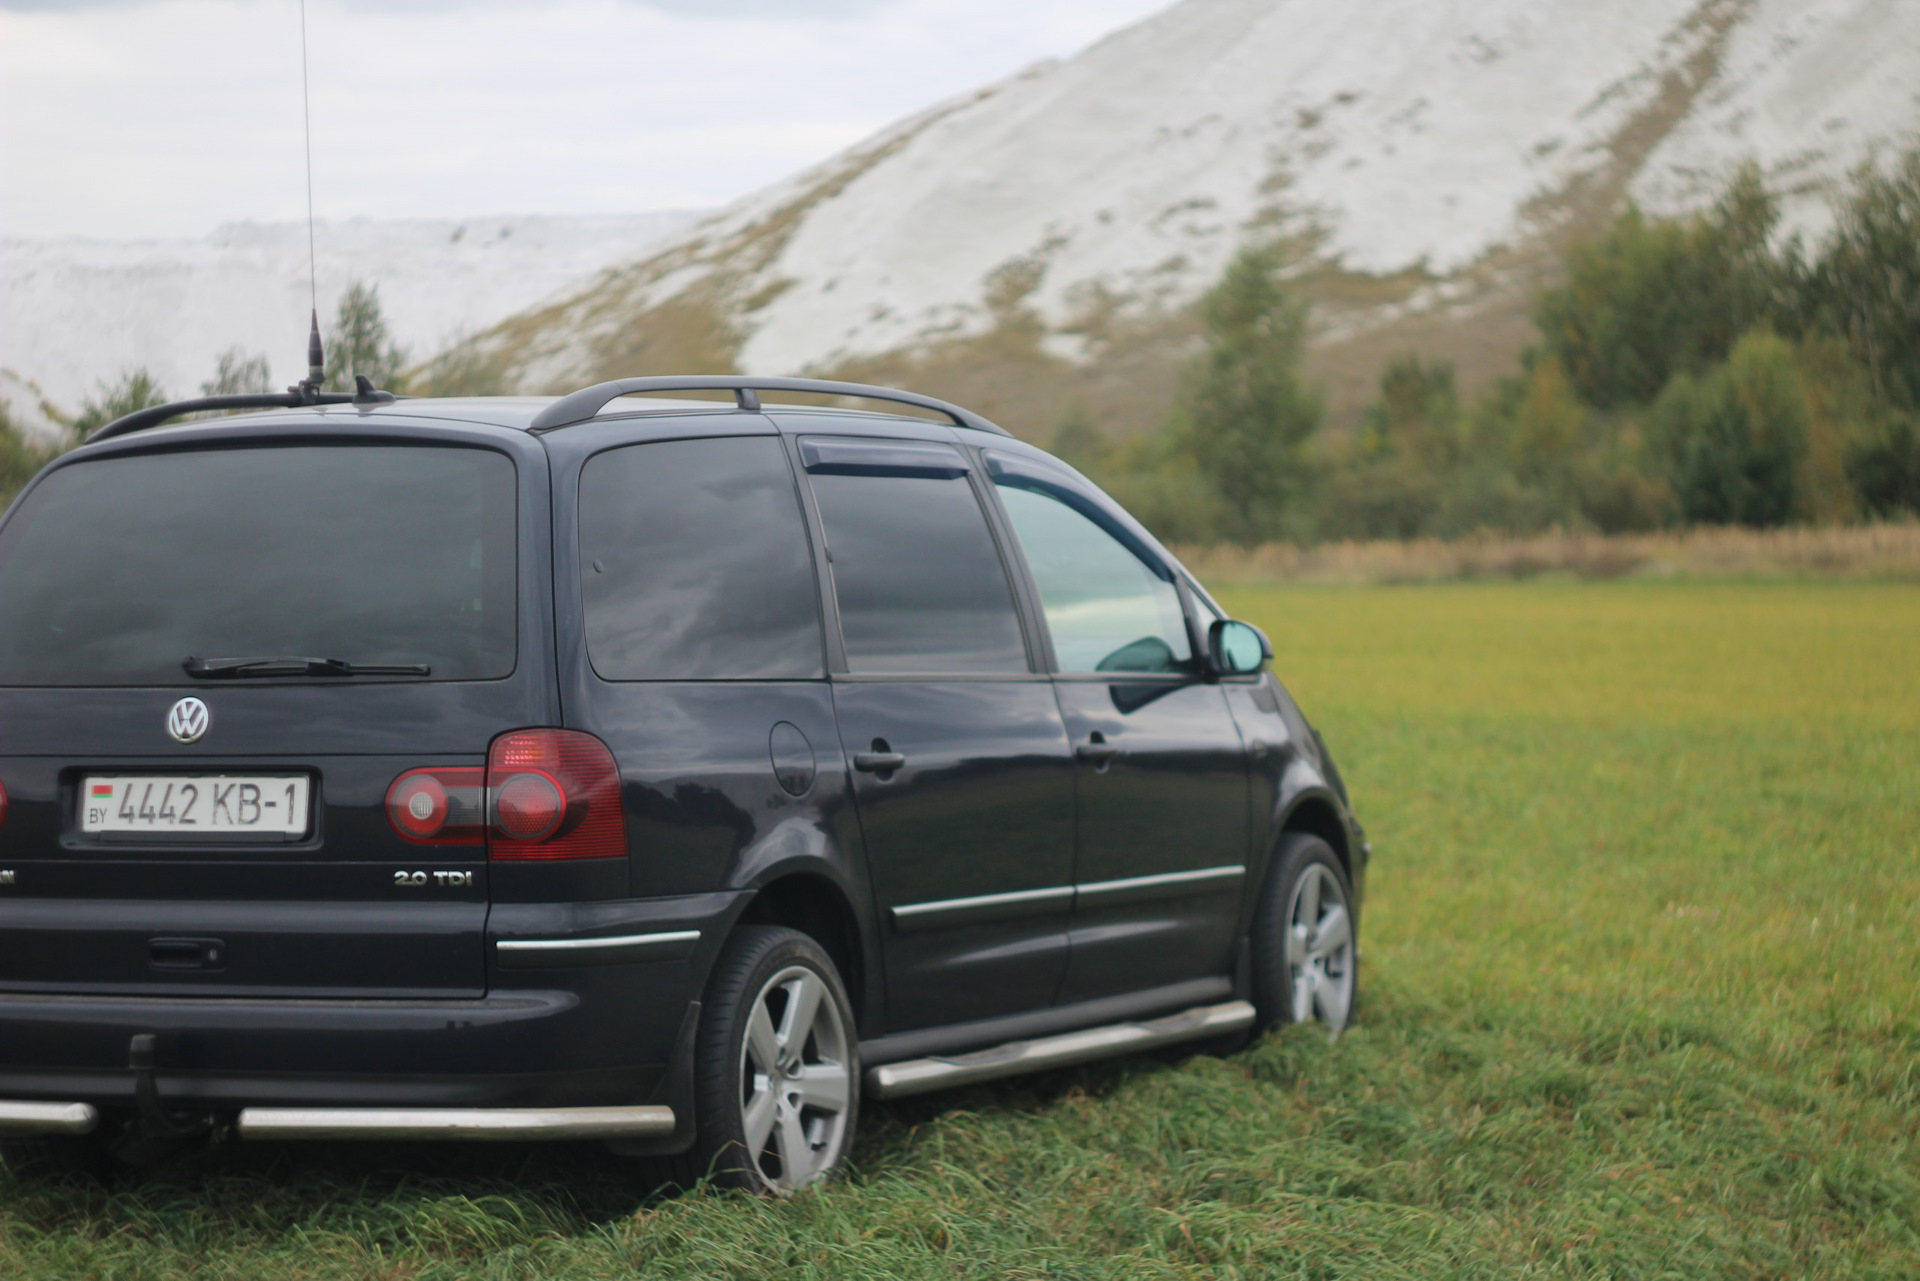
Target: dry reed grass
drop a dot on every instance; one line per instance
(1889, 551)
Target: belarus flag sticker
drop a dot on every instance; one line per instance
(102, 789)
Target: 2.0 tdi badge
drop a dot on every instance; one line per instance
(188, 720)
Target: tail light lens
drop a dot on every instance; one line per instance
(556, 795)
(444, 806)
(3, 804)
(529, 806)
(545, 794)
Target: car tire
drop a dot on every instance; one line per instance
(776, 1067)
(1305, 943)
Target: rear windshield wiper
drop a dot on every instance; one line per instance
(240, 668)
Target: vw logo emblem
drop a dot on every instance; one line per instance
(189, 719)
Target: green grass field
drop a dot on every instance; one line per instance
(1641, 998)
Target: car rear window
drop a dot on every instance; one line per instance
(116, 570)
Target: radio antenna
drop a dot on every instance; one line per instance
(316, 355)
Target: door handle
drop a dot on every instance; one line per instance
(1097, 749)
(878, 762)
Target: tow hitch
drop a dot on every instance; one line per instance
(154, 1119)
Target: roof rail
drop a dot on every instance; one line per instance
(293, 398)
(581, 406)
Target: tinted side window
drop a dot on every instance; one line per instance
(919, 581)
(1107, 610)
(694, 563)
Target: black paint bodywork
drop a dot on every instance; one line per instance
(336, 986)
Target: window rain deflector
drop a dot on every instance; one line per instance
(843, 457)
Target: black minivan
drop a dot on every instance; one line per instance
(661, 772)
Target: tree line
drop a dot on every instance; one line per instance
(1692, 370)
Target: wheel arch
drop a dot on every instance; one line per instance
(1315, 811)
(800, 875)
(1318, 814)
(816, 905)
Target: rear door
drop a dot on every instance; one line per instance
(705, 671)
(962, 775)
(148, 839)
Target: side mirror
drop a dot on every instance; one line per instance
(1235, 648)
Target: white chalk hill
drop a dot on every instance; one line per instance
(1421, 155)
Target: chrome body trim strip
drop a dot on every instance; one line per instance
(1053, 892)
(19, 1116)
(918, 1076)
(614, 940)
(456, 1123)
(911, 915)
(1194, 877)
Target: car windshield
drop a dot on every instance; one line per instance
(116, 571)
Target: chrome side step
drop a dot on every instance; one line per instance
(456, 1123)
(918, 1076)
(17, 1116)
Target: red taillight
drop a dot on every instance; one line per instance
(443, 806)
(3, 804)
(556, 795)
(545, 794)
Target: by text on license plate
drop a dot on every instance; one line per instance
(270, 804)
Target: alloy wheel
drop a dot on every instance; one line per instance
(1320, 950)
(795, 1088)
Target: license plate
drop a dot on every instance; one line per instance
(270, 804)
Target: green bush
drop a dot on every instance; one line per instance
(1418, 415)
(1394, 480)
(1651, 298)
(1885, 467)
(1379, 497)
(1732, 441)
(1530, 456)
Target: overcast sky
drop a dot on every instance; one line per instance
(132, 118)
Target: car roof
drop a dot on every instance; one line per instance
(520, 415)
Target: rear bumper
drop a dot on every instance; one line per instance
(606, 1013)
(524, 1049)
